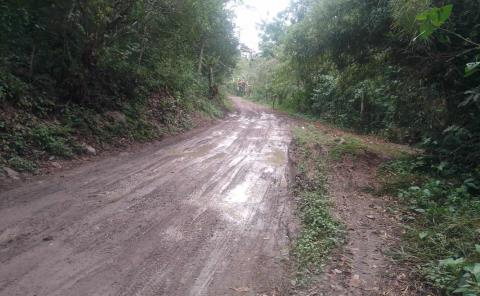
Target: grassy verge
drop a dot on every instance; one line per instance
(31, 133)
(440, 213)
(316, 149)
(321, 233)
(350, 142)
(442, 226)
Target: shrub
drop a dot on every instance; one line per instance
(22, 165)
(52, 140)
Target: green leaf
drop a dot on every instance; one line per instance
(422, 16)
(466, 290)
(477, 248)
(471, 68)
(474, 269)
(433, 19)
(450, 262)
(423, 234)
(444, 13)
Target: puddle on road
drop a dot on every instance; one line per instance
(239, 194)
(194, 152)
(276, 157)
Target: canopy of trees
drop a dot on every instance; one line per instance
(100, 53)
(382, 67)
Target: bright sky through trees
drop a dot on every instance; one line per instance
(250, 13)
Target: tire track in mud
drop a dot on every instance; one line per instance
(205, 216)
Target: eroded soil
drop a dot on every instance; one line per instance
(363, 265)
(209, 215)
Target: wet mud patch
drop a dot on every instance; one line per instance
(193, 152)
(277, 157)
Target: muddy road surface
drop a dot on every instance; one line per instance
(207, 215)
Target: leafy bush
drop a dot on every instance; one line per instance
(52, 140)
(22, 165)
(443, 223)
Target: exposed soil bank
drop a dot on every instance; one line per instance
(362, 264)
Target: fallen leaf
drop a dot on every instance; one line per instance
(241, 289)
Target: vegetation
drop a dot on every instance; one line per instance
(112, 71)
(105, 70)
(320, 231)
(406, 70)
(377, 67)
(442, 219)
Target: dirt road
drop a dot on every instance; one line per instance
(204, 216)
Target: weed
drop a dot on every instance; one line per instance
(442, 229)
(337, 147)
(346, 146)
(227, 103)
(321, 232)
(208, 108)
(51, 139)
(22, 165)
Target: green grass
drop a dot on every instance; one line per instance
(228, 104)
(336, 147)
(346, 146)
(442, 227)
(321, 233)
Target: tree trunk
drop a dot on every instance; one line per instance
(32, 59)
(362, 106)
(210, 78)
(200, 58)
(213, 88)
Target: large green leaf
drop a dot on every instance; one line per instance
(433, 19)
(444, 13)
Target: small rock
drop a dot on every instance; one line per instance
(12, 174)
(89, 149)
(371, 217)
(337, 271)
(340, 141)
(56, 165)
(51, 158)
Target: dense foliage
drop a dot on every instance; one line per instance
(366, 65)
(406, 70)
(102, 52)
(70, 62)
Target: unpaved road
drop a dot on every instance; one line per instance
(209, 215)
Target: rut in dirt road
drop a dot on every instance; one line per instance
(205, 216)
